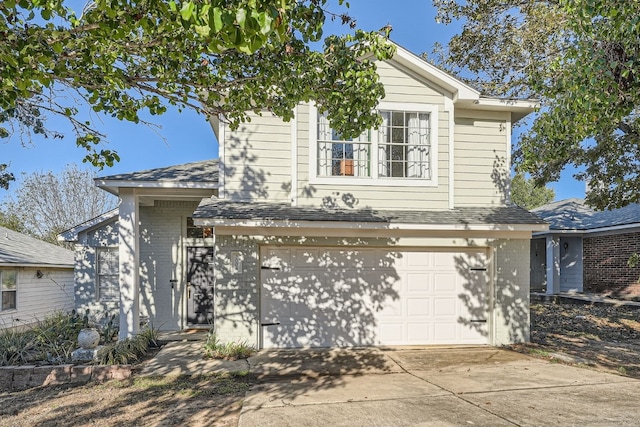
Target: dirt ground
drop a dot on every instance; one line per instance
(140, 401)
(601, 337)
(604, 337)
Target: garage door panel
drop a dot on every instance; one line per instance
(419, 333)
(445, 332)
(419, 283)
(419, 260)
(418, 307)
(471, 331)
(444, 307)
(444, 260)
(306, 258)
(444, 282)
(342, 297)
(392, 309)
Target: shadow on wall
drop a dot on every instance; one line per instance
(501, 178)
(321, 297)
(252, 181)
(307, 296)
(510, 300)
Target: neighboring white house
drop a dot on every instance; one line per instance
(297, 238)
(36, 279)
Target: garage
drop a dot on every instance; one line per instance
(326, 297)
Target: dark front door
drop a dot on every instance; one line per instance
(199, 286)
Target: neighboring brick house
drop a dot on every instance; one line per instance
(590, 249)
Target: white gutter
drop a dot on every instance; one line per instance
(23, 264)
(590, 231)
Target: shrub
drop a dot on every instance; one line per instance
(215, 349)
(57, 336)
(51, 340)
(151, 334)
(17, 348)
(129, 350)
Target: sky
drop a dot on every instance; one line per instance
(187, 137)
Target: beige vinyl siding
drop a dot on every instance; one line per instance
(37, 298)
(257, 159)
(511, 313)
(481, 170)
(400, 86)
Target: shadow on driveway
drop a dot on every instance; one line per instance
(430, 386)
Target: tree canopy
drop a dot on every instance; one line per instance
(218, 57)
(46, 204)
(526, 194)
(581, 58)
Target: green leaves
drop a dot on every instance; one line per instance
(580, 57)
(124, 57)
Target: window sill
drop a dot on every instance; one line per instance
(378, 182)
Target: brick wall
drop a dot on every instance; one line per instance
(24, 377)
(605, 264)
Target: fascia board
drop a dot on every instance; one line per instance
(209, 222)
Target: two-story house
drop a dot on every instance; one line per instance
(298, 237)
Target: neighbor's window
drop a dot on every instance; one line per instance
(402, 144)
(108, 268)
(8, 295)
(198, 232)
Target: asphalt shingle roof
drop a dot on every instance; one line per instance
(203, 171)
(574, 214)
(219, 209)
(17, 248)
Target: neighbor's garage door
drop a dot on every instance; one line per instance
(324, 297)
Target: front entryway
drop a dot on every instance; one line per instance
(199, 286)
(326, 297)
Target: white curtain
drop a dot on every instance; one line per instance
(361, 159)
(324, 146)
(383, 138)
(418, 145)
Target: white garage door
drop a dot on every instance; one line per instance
(325, 297)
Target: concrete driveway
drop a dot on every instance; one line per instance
(479, 386)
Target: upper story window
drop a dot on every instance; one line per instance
(8, 279)
(403, 149)
(108, 268)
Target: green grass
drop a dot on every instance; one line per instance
(216, 349)
(539, 352)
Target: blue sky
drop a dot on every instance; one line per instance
(185, 137)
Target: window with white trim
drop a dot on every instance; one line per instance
(401, 148)
(8, 284)
(404, 145)
(107, 274)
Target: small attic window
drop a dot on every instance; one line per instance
(196, 232)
